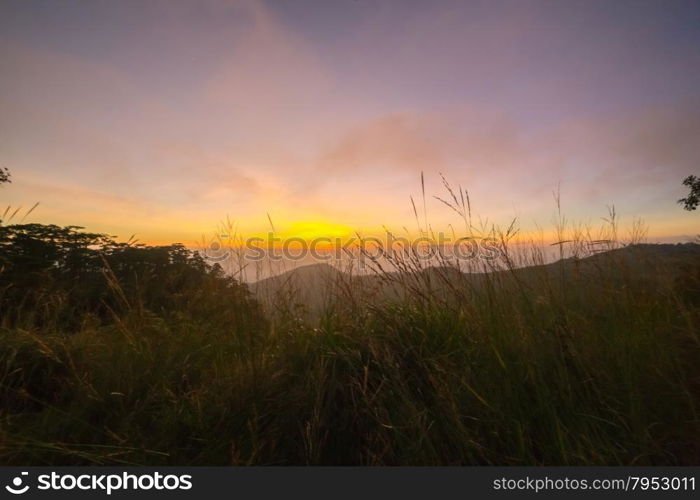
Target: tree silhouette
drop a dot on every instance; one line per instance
(691, 201)
(4, 175)
(90, 273)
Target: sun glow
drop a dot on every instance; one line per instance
(309, 230)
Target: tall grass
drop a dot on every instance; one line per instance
(593, 360)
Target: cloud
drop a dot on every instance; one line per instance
(191, 111)
(269, 87)
(635, 158)
(426, 141)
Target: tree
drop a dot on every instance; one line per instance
(58, 275)
(4, 175)
(691, 201)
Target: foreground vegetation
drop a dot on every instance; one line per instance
(124, 354)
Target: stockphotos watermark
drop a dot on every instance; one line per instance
(105, 483)
(438, 247)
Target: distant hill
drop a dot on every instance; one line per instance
(314, 287)
(307, 286)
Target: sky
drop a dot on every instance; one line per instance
(161, 118)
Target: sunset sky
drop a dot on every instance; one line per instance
(160, 118)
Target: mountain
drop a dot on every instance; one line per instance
(305, 287)
(312, 288)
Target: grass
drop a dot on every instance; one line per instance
(591, 361)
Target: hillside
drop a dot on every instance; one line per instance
(313, 288)
(116, 354)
